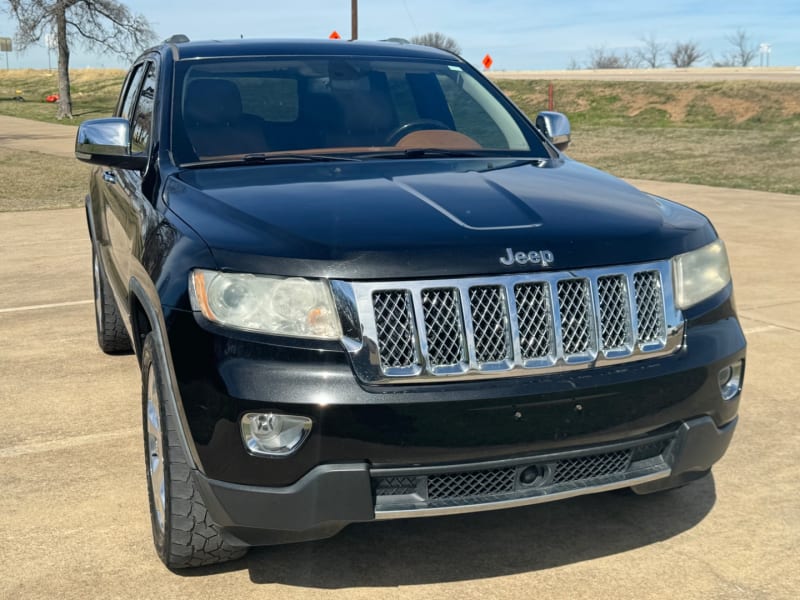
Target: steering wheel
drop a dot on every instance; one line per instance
(399, 133)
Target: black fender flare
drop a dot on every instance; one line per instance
(164, 358)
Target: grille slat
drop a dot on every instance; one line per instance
(515, 323)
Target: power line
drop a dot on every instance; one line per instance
(410, 18)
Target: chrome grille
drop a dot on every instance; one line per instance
(615, 318)
(649, 306)
(576, 323)
(535, 320)
(443, 326)
(511, 325)
(490, 324)
(394, 322)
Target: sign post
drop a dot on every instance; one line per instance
(5, 46)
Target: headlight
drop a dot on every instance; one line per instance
(700, 274)
(278, 305)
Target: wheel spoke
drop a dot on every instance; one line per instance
(155, 450)
(98, 301)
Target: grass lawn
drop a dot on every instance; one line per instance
(35, 181)
(767, 160)
(94, 93)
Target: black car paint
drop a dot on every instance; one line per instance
(385, 220)
(426, 218)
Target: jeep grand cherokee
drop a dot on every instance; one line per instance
(362, 285)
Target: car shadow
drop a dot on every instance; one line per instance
(480, 545)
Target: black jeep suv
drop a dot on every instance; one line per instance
(362, 285)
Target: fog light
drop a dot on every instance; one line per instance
(271, 434)
(730, 380)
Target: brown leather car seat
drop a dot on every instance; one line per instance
(215, 123)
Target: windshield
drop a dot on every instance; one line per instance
(229, 108)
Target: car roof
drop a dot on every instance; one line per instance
(302, 47)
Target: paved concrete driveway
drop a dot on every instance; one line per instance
(74, 506)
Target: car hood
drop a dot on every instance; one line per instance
(391, 219)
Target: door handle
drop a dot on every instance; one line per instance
(109, 177)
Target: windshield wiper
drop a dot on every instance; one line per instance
(270, 159)
(514, 162)
(422, 153)
(295, 157)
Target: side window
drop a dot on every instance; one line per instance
(127, 102)
(142, 122)
(470, 118)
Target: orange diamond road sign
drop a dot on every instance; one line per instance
(335, 35)
(487, 62)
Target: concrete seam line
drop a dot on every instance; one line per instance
(768, 323)
(64, 443)
(41, 306)
(762, 329)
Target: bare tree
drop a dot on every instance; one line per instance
(727, 60)
(685, 54)
(105, 25)
(744, 51)
(600, 58)
(651, 52)
(439, 40)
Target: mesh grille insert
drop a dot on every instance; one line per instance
(490, 324)
(498, 483)
(443, 326)
(471, 483)
(573, 299)
(586, 467)
(513, 325)
(614, 312)
(649, 306)
(535, 319)
(396, 486)
(395, 330)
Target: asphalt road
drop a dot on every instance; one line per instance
(74, 505)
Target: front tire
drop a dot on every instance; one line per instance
(183, 532)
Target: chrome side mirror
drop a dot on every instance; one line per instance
(556, 127)
(107, 142)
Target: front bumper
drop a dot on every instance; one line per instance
(221, 376)
(329, 497)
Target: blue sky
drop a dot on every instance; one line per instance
(519, 34)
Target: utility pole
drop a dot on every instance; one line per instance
(353, 19)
